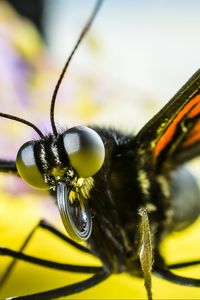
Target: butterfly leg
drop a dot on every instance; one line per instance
(19, 255)
(184, 264)
(170, 276)
(162, 270)
(8, 270)
(8, 166)
(67, 290)
(47, 226)
(48, 263)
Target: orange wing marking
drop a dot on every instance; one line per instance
(194, 111)
(168, 134)
(194, 136)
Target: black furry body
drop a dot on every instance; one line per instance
(115, 200)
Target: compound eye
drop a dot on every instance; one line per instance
(85, 150)
(27, 167)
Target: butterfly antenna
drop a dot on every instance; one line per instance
(83, 33)
(11, 117)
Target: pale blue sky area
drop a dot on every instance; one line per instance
(148, 45)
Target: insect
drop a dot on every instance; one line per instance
(121, 194)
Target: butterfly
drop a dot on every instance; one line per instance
(119, 194)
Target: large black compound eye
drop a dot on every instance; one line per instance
(85, 150)
(27, 167)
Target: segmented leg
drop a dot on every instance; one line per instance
(67, 290)
(45, 225)
(160, 269)
(47, 263)
(170, 276)
(8, 166)
(100, 273)
(184, 264)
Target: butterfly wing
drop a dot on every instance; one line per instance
(172, 136)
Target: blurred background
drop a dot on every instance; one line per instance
(135, 58)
